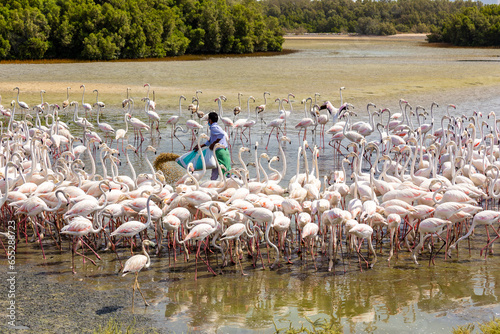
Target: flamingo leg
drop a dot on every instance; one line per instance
(269, 138)
(39, 238)
(139, 288)
(196, 261)
(73, 256)
(133, 290)
(97, 255)
(489, 244)
(238, 258)
(312, 255)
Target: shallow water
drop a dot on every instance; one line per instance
(402, 298)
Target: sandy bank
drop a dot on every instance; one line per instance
(402, 37)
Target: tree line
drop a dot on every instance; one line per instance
(460, 22)
(366, 17)
(470, 27)
(117, 29)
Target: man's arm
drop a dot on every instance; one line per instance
(202, 146)
(213, 144)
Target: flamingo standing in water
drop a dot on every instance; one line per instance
(486, 218)
(261, 109)
(234, 232)
(152, 104)
(309, 233)
(104, 127)
(135, 264)
(138, 125)
(152, 114)
(276, 124)
(121, 133)
(364, 231)
(134, 227)
(86, 106)
(431, 226)
(240, 123)
(65, 103)
(228, 123)
(34, 206)
(237, 109)
(306, 121)
(193, 126)
(199, 233)
(321, 119)
(174, 119)
(77, 228)
(21, 104)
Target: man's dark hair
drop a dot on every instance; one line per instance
(213, 117)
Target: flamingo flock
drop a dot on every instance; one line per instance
(393, 185)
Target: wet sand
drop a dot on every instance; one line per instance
(347, 37)
(51, 300)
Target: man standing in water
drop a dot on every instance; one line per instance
(217, 135)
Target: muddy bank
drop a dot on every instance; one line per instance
(346, 37)
(50, 299)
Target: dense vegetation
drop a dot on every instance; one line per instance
(113, 29)
(369, 17)
(470, 27)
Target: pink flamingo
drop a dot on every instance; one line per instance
(262, 108)
(234, 232)
(322, 120)
(171, 222)
(228, 123)
(138, 125)
(199, 233)
(104, 127)
(431, 226)
(152, 104)
(152, 114)
(134, 227)
(276, 123)
(86, 106)
(21, 104)
(86, 207)
(190, 125)
(79, 227)
(309, 233)
(393, 221)
(281, 224)
(135, 264)
(240, 123)
(173, 120)
(364, 231)
(486, 218)
(306, 121)
(34, 206)
(120, 133)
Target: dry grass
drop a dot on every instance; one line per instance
(171, 170)
(164, 157)
(490, 327)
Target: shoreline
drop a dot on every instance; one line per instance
(44, 290)
(194, 57)
(398, 37)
